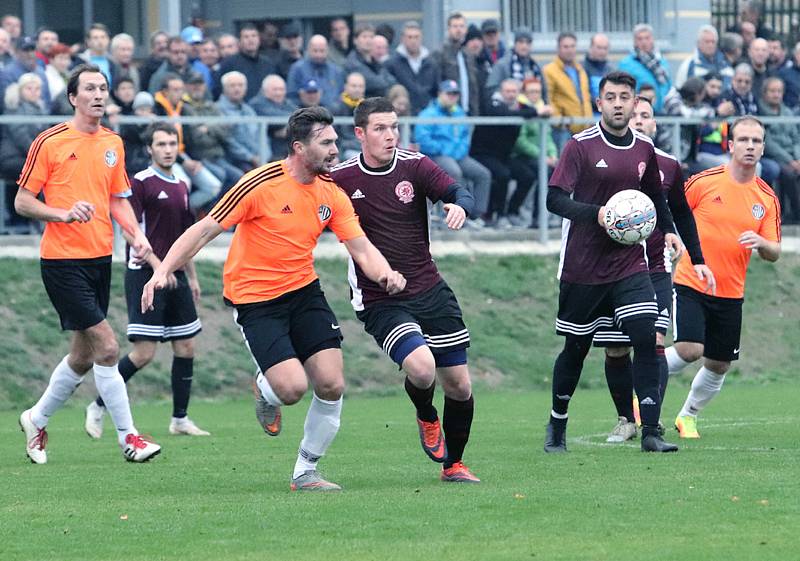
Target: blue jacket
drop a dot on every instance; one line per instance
(632, 66)
(443, 140)
(329, 77)
(242, 143)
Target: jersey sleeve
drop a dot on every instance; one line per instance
(120, 184)
(771, 224)
(434, 179)
(237, 205)
(138, 198)
(568, 171)
(694, 191)
(651, 179)
(344, 221)
(37, 167)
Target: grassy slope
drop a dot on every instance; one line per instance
(509, 304)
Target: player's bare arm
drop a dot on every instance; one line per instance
(122, 211)
(767, 250)
(194, 284)
(374, 265)
(28, 205)
(184, 248)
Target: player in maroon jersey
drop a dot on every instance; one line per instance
(421, 328)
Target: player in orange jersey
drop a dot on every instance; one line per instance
(736, 213)
(280, 210)
(79, 166)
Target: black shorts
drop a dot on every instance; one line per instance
(79, 290)
(173, 315)
(584, 309)
(297, 324)
(434, 314)
(662, 284)
(713, 321)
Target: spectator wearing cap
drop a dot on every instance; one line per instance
(98, 40)
(193, 36)
(46, 39)
(316, 66)
(339, 45)
(456, 64)
(57, 71)
(518, 64)
(413, 67)
(24, 62)
(597, 65)
(136, 155)
(248, 61)
(493, 47)
(242, 147)
(646, 64)
(122, 49)
(6, 57)
(361, 60)
(351, 97)
(158, 53)
(272, 102)
(568, 86)
(310, 94)
(448, 145)
(291, 39)
(473, 46)
(177, 62)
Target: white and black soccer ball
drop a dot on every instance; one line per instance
(630, 217)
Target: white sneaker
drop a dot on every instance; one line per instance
(186, 426)
(94, 420)
(139, 448)
(36, 438)
(503, 223)
(625, 430)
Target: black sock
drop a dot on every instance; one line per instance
(642, 334)
(182, 369)
(567, 371)
(663, 371)
(126, 369)
(619, 377)
(422, 400)
(456, 424)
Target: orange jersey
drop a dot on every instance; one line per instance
(71, 166)
(279, 221)
(723, 210)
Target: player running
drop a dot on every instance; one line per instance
(161, 203)
(280, 210)
(736, 213)
(604, 283)
(79, 166)
(421, 328)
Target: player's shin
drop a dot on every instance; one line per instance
(567, 373)
(705, 386)
(63, 383)
(456, 423)
(321, 426)
(112, 389)
(619, 377)
(641, 332)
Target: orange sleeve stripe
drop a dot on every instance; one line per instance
(33, 151)
(239, 187)
(233, 197)
(764, 186)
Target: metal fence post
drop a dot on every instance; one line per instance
(544, 132)
(405, 134)
(263, 143)
(676, 140)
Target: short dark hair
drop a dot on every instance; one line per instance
(98, 27)
(745, 119)
(369, 106)
(302, 122)
(153, 128)
(174, 39)
(249, 26)
(362, 28)
(454, 15)
(566, 35)
(119, 81)
(618, 78)
(167, 78)
(74, 78)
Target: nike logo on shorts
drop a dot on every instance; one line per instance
(334, 326)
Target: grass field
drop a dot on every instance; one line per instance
(732, 495)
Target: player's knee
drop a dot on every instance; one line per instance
(183, 348)
(689, 352)
(107, 352)
(617, 352)
(458, 388)
(420, 367)
(641, 332)
(291, 391)
(330, 389)
(717, 366)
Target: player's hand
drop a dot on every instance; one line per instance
(194, 286)
(600, 215)
(157, 282)
(751, 240)
(675, 246)
(455, 216)
(392, 282)
(141, 247)
(81, 211)
(704, 273)
(172, 281)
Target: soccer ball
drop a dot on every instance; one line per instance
(630, 217)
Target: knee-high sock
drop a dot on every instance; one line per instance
(456, 424)
(619, 377)
(567, 372)
(182, 371)
(63, 382)
(705, 386)
(422, 398)
(321, 426)
(674, 361)
(126, 369)
(266, 390)
(642, 333)
(663, 371)
(112, 389)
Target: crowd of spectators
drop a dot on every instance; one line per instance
(269, 70)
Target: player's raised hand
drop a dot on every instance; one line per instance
(81, 211)
(157, 282)
(455, 216)
(675, 246)
(704, 273)
(392, 282)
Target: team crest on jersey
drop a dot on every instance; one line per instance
(642, 167)
(404, 191)
(758, 211)
(111, 158)
(324, 213)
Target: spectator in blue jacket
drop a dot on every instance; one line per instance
(316, 66)
(647, 65)
(242, 148)
(448, 145)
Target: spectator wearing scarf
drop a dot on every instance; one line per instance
(647, 65)
(517, 64)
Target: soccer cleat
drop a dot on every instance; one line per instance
(686, 426)
(432, 440)
(269, 416)
(94, 420)
(140, 448)
(311, 480)
(637, 417)
(36, 439)
(458, 473)
(652, 442)
(185, 425)
(625, 430)
(555, 440)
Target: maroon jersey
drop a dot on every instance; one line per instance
(161, 205)
(658, 258)
(393, 211)
(592, 170)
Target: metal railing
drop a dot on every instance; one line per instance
(585, 16)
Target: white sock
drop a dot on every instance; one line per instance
(266, 390)
(705, 386)
(111, 388)
(322, 424)
(62, 384)
(674, 361)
